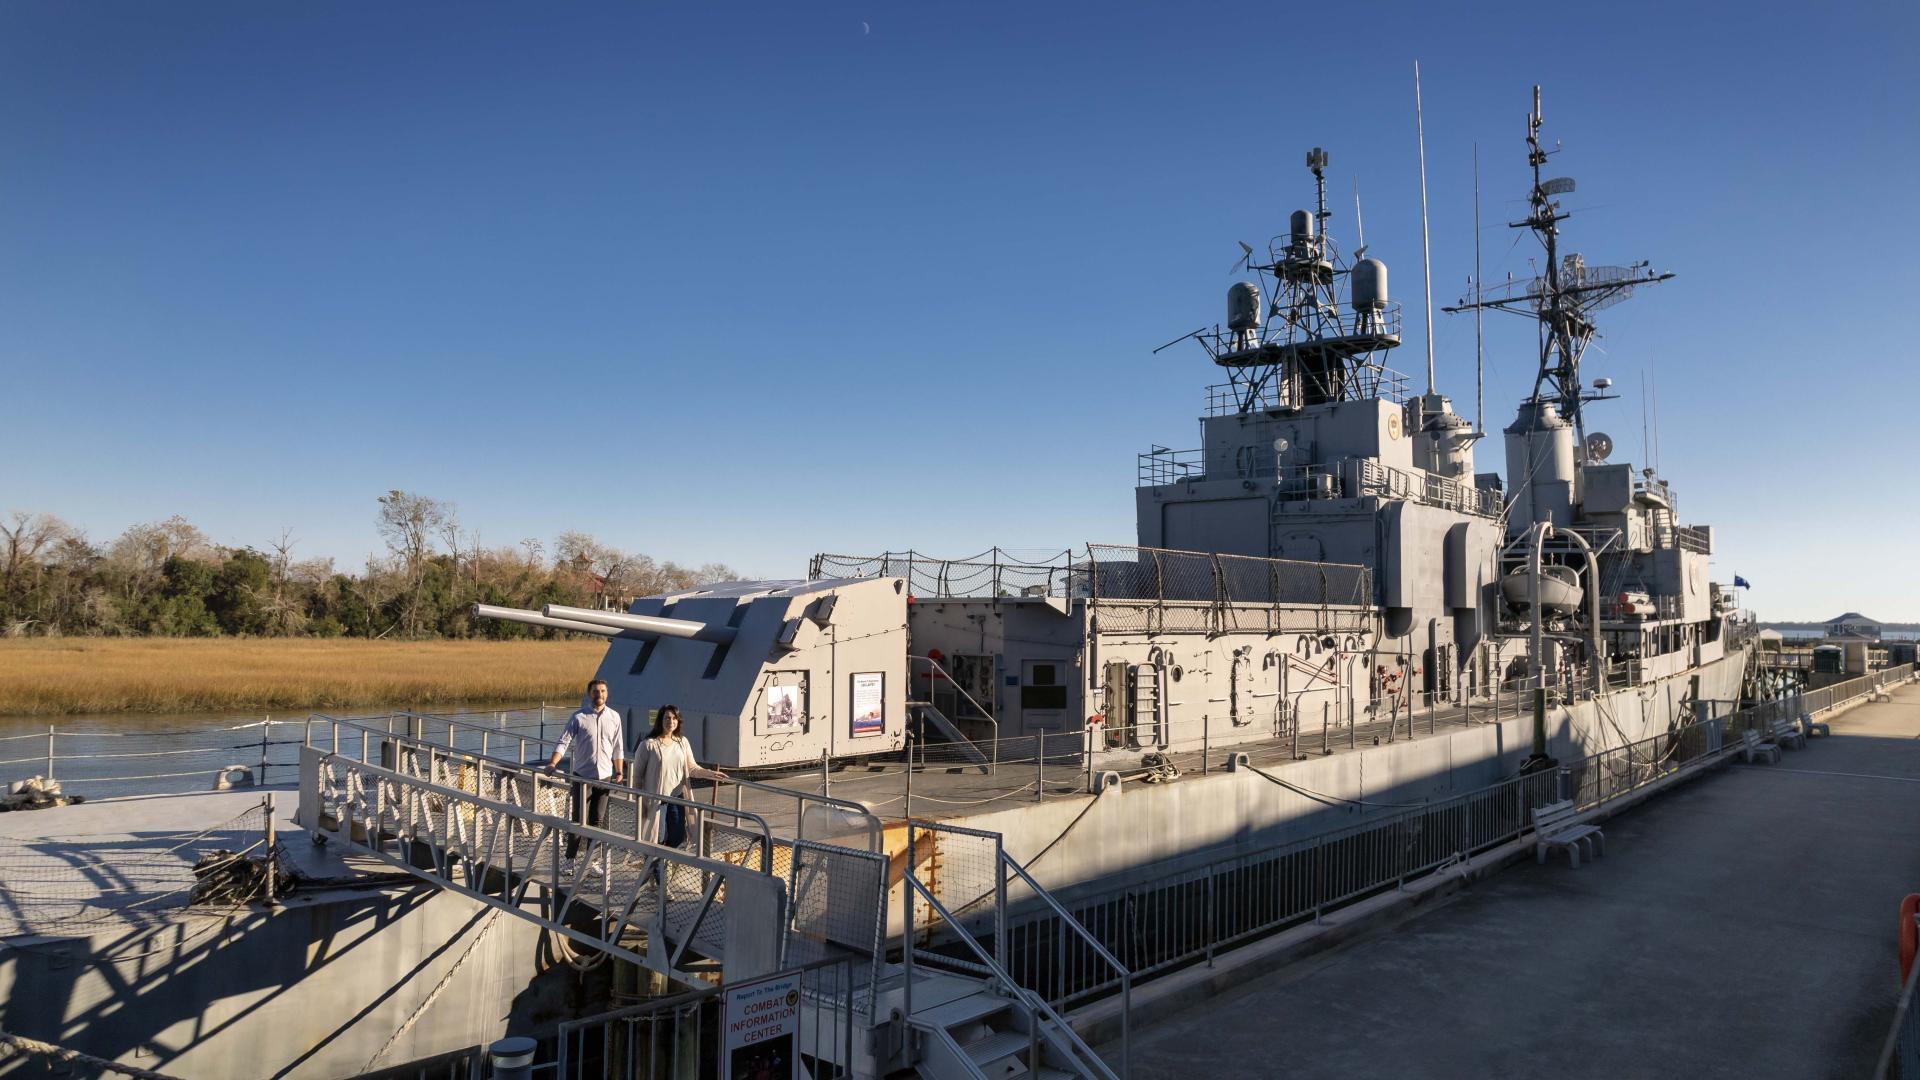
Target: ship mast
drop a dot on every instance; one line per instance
(1564, 298)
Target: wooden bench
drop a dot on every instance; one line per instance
(1752, 745)
(1786, 732)
(1554, 826)
(1810, 726)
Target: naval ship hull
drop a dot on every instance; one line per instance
(1137, 832)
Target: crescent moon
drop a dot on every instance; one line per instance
(865, 29)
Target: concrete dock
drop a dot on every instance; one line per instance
(1742, 925)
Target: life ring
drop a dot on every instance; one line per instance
(233, 776)
(1909, 933)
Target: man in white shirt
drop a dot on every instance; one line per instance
(599, 748)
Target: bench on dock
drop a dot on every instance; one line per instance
(1554, 826)
(1810, 726)
(1786, 732)
(1752, 745)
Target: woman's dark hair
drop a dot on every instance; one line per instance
(660, 720)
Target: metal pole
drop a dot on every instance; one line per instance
(271, 860)
(1206, 740)
(266, 728)
(1325, 747)
(1039, 762)
(826, 775)
(49, 751)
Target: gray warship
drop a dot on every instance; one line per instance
(1328, 561)
(975, 800)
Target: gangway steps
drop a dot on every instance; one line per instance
(968, 749)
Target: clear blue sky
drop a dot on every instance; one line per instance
(740, 282)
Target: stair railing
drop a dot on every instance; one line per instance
(994, 750)
(954, 855)
(1043, 1021)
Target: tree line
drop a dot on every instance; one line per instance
(169, 578)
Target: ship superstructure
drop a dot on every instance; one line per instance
(1329, 557)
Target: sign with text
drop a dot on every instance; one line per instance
(760, 1033)
(869, 699)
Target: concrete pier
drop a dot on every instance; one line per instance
(1742, 925)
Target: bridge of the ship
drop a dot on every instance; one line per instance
(744, 898)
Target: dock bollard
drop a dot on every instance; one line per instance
(511, 1058)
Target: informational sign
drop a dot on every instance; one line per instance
(786, 711)
(760, 1035)
(869, 703)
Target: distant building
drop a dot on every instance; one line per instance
(1772, 640)
(1853, 625)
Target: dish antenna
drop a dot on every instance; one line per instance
(1599, 446)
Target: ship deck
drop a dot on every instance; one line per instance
(120, 864)
(1739, 926)
(948, 786)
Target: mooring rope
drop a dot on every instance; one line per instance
(22, 1044)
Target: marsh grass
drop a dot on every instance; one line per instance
(50, 676)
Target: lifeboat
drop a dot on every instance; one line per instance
(1559, 589)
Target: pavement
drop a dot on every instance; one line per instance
(1742, 925)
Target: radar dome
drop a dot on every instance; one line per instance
(1243, 306)
(1369, 285)
(1300, 226)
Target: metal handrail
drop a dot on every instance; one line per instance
(538, 775)
(873, 827)
(994, 763)
(1080, 930)
(1056, 1027)
(801, 798)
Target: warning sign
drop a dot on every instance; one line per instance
(760, 1036)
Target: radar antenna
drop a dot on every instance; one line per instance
(1290, 340)
(1564, 299)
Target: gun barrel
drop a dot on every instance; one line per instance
(534, 618)
(650, 625)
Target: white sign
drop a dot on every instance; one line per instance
(760, 1032)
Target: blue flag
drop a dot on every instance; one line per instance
(1740, 582)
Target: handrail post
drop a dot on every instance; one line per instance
(272, 862)
(49, 751)
(1039, 766)
(1000, 857)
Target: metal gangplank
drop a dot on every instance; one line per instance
(742, 901)
(658, 907)
(746, 901)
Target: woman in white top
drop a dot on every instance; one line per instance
(663, 765)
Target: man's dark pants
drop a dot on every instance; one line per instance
(595, 798)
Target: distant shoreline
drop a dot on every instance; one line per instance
(64, 676)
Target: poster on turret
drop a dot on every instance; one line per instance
(786, 710)
(869, 703)
(761, 1029)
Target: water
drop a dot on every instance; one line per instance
(105, 755)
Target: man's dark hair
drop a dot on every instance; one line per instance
(596, 682)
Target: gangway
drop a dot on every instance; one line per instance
(747, 900)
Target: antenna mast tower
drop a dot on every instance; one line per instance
(1564, 299)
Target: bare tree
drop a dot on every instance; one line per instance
(408, 523)
(283, 610)
(24, 541)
